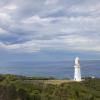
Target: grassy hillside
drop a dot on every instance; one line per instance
(14, 87)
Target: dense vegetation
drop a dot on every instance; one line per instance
(14, 87)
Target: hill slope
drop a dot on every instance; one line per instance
(14, 87)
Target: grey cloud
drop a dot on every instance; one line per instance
(40, 25)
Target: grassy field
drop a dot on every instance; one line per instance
(14, 87)
(57, 82)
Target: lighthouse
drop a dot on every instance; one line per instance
(77, 73)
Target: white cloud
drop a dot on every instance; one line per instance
(88, 7)
(55, 24)
(4, 16)
(37, 20)
(74, 42)
(51, 2)
(24, 47)
(10, 7)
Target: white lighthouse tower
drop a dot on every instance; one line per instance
(77, 74)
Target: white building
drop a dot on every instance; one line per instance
(77, 73)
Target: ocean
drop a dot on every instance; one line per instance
(57, 69)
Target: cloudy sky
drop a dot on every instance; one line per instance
(49, 29)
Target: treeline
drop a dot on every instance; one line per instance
(14, 87)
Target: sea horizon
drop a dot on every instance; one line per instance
(56, 69)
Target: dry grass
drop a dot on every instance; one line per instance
(57, 82)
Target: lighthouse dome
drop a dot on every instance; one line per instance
(77, 61)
